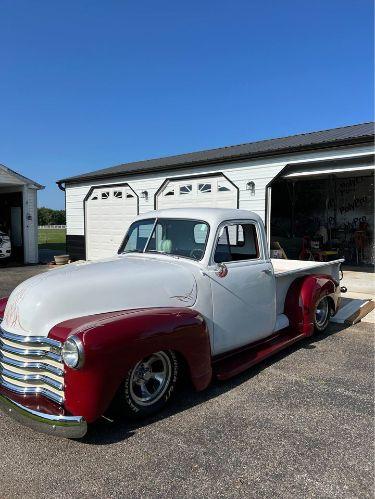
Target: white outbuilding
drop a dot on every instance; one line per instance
(314, 191)
(19, 214)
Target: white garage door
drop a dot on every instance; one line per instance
(211, 192)
(109, 212)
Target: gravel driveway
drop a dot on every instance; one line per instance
(299, 425)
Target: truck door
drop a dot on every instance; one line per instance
(243, 286)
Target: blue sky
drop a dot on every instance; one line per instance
(89, 84)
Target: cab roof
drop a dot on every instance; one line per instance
(214, 216)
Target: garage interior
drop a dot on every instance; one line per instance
(11, 202)
(324, 212)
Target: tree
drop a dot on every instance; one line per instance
(47, 216)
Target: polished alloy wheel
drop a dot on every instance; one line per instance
(322, 313)
(150, 378)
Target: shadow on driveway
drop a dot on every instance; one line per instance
(104, 432)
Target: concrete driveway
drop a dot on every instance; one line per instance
(299, 425)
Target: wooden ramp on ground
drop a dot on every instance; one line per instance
(352, 310)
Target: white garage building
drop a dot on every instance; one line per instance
(19, 214)
(334, 169)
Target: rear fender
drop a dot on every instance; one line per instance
(302, 297)
(115, 342)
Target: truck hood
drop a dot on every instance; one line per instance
(121, 283)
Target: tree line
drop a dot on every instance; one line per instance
(47, 216)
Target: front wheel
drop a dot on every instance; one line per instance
(322, 315)
(149, 385)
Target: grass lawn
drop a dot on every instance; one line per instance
(53, 239)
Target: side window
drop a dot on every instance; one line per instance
(237, 242)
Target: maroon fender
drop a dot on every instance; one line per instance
(116, 341)
(302, 297)
(3, 304)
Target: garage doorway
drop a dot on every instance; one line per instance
(109, 210)
(213, 191)
(324, 217)
(11, 223)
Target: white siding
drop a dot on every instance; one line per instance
(260, 171)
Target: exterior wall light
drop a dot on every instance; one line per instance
(144, 195)
(250, 186)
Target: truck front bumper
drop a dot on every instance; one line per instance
(52, 424)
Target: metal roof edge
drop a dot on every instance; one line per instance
(311, 147)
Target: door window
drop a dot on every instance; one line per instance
(237, 242)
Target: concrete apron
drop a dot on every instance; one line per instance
(358, 303)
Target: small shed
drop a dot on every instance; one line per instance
(19, 214)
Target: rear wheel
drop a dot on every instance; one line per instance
(149, 385)
(322, 315)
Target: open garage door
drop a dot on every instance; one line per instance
(212, 192)
(109, 211)
(324, 211)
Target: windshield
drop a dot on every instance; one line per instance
(186, 238)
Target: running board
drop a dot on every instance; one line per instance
(230, 365)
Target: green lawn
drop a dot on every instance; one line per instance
(53, 239)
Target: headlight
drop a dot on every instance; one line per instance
(3, 240)
(73, 353)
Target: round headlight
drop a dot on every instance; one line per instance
(72, 352)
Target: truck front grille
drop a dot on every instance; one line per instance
(31, 365)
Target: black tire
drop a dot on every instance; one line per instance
(149, 385)
(322, 314)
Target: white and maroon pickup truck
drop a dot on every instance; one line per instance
(191, 291)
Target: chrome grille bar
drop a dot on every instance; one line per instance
(30, 340)
(24, 352)
(31, 377)
(30, 365)
(59, 399)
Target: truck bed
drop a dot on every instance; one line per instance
(288, 270)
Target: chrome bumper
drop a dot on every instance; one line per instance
(61, 426)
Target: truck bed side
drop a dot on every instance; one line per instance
(286, 271)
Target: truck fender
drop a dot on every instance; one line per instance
(3, 304)
(303, 296)
(114, 342)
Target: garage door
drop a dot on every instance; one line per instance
(109, 212)
(198, 191)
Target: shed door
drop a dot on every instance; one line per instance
(109, 212)
(214, 192)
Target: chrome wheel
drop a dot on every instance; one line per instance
(150, 379)
(322, 313)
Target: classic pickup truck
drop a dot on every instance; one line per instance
(191, 293)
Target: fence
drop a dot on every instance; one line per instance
(52, 227)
